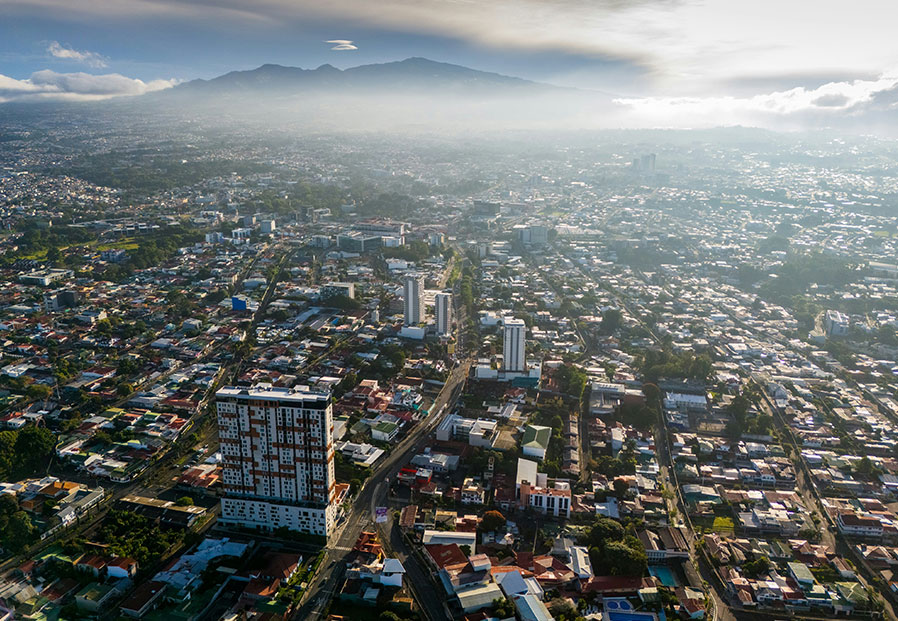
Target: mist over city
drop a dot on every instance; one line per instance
(518, 310)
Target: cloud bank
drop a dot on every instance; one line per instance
(829, 102)
(687, 46)
(49, 85)
(91, 59)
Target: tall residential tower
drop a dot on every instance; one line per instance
(442, 303)
(514, 347)
(277, 458)
(414, 300)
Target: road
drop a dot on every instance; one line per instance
(374, 493)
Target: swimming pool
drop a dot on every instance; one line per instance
(665, 575)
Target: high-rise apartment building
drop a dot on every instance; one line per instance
(414, 300)
(277, 458)
(514, 347)
(442, 303)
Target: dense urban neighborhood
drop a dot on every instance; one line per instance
(618, 377)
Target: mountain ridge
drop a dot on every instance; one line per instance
(411, 73)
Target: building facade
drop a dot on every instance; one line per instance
(277, 458)
(414, 300)
(443, 312)
(514, 348)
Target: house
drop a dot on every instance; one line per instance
(385, 432)
(854, 525)
(665, 544)
(555, 501)
(144, 599)
(121, 568)
(472, 492)
(535, 442)
(478, 597)
(94, 597)
(531, 608)
(91, 563)
(801, 574)
(436, 537)
(579, 562)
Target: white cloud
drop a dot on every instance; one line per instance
(829, 102)
(342, 44)
(49, 85)
(688, 46)
(91, 59)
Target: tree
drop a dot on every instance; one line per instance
(639, 416)
(502, 608)
(54, 255)
(184, 501)
(604, 530)
(652, 394)
(34, 445)
(866, 468)
(621, 559)
(16, 529)
(620, 488)
(757, 567)
(492, 521)
(611, 321)
(561, 608)
(465, 549)
(124, 389)
(39, 392)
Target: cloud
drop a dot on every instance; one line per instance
(91, 59)
(342, 44)
(687, 46)
(49, 85)
(831, 102)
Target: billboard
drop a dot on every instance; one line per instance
(380, 515)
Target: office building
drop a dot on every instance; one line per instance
(443, 310)
(836, 323)
(414, 300)
(268, 226)
(277, 458)
(514, 347)
(358, 242)
(533, 235)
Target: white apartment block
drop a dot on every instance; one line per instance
(277, 458)
(414, 300)
(442, 304)
(514, 348)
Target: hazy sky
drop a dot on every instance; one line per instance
(714, 59)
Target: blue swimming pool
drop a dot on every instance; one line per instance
(665, 575)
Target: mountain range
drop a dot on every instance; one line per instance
(412, 93)
(412, 74)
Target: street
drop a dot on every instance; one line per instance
(373, 493)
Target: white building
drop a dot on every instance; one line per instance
(442, 304)
(482, 432)
(268, 226)
(514, 347)
(277, 458)
(836, 323)
(414, 300)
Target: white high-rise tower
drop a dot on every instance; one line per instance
(414, 300)
(443, 310)
(277, 458)
(514, 348)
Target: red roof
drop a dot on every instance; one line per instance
(446, 554)
(615, 584)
